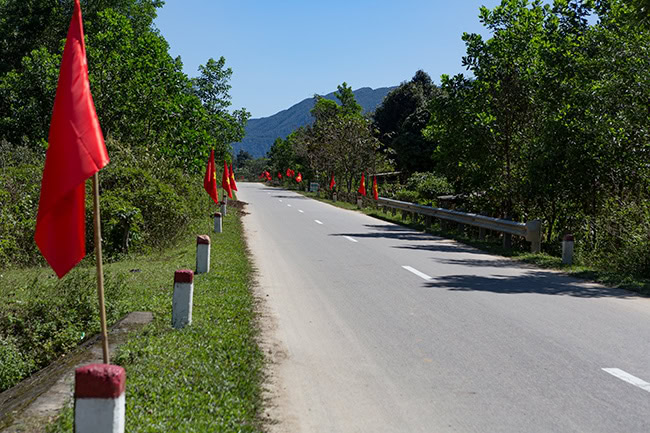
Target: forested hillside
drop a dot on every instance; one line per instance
(261, 133)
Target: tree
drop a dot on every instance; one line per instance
(400, 119)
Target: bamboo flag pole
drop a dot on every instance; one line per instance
(100, 271)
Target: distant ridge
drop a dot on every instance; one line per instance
(262, 132)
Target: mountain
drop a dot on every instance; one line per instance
(262, 132)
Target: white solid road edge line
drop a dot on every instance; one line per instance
(627, 377)
(418, 273)
(350, 239)
(318, 222)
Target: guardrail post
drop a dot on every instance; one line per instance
(427, 220)
(482, 233)
(534, 235)
(567, 250)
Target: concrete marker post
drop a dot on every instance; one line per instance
(182, 300)
(202, 254)
(99, 405)
(567, 249)
(359, 202)
(334, 196)
(224, 207)
(217, 222)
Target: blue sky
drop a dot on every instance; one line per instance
(282, 52)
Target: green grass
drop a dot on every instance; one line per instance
(206, 377)
(519, 251)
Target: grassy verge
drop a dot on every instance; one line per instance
(206, 377)
(518, 252)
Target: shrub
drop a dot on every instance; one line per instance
(429, 185)
(37, 330)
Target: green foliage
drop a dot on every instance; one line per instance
(144, 204)
(141, 94)
(554, 124)
(45, 318)
(428, 186)
(399, 122)
(14, 366)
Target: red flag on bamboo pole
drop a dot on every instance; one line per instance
(233, 184)
(375, 191)
(332, 182)
(225, 180)
(210, 179)
(76, 152)
(362, 186)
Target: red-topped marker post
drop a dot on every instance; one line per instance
(202, 254)
(99, 399)
(182, 300)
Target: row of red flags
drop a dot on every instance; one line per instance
(210, 179)
(362, 187)
(77, 152)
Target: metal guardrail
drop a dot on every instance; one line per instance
(531, 230)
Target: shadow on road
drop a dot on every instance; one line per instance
(294, 197)
(540, 282)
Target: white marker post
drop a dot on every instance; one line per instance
(224, 206)
(99, 399)
(202, 254)
(182, 300)
(217, 222)
(567, 250)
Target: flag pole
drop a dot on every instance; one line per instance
(100, 271)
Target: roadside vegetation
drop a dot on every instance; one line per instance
(159, 125)
(207, 376)
(551, 122)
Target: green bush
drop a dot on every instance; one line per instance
(618, 239)
(14, 366)
(429, 185)
(38, 329)
(19, 194)
(143, 205)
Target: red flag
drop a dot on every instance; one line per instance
(76, 152)
(289, 172)
(299, 177)
(233, 185)
(268, 175)
(362, 186)
(375, 191)
(210, 179)
(279, 175)
(332, 182)
(225, 180)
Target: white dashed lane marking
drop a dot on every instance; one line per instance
(627, 377)
(418, 273)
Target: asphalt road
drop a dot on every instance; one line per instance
(385, 329)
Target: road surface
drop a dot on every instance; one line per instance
(379, 328)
